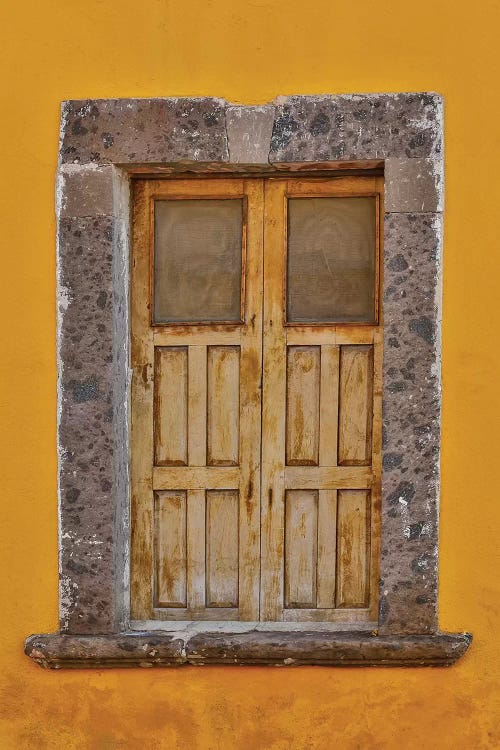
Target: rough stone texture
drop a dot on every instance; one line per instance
(411, 423)
(120, 650)
(329, 128)
(93, 397)
(254, 648)
(124, 131)
(85, 191)
(413, 185)
(86, 424)
(249, 131)
(93, 257)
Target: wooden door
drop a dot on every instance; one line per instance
(270, 286)
(196, 399)
(321, 426)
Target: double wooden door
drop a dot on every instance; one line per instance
(256, 399)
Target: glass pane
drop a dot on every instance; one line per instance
(331, 259)
(197, 268)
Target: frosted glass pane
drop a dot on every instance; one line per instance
(331, 259)
(197, 267)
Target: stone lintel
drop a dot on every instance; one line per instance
(357, 126)
(124, 131)
(156, 649)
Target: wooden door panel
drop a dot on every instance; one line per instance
(222, 516)
(355, 405)
(196, 416)
(171, 560)
(301, 536)
(223, 405)
(321, 432)
(171, 406)
(302, 403)
(353, 548)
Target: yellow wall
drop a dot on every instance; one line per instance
(249, 51)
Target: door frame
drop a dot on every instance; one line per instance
(263, 335)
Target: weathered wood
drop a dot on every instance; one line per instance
(197, 335)
(376, 488)
(222, 548)
(141, 424)
(331, 397)
(196, 556)
(301, 537)
(356, 405)
(223, 405)
(353, 548)
(302, 405)
(329, 414)
(327, 477)
(171, 406)
(320, 433)
(195, 477)
(206, 428)
(327, 540)
(250, 409)
(273, 408)
(197, 406)
(301, 335)
(153, 649)
(170, 523)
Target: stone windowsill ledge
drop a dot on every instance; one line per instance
(156, 649)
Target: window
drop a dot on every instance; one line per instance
(263, 343)
(287, 175)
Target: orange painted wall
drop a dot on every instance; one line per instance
(249, 51)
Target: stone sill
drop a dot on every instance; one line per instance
(275, 648)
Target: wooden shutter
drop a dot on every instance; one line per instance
(321, 428)
(207, 543)
(196, 407)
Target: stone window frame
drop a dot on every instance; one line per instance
(103, 145)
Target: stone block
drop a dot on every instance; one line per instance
(249, 131)
(357, 127)
(411, 423)
(85, 191)
(123, 131)
(413, 185)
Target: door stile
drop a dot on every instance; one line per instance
(376, 494)
(273, 411)
(142, 385)
(250, 409)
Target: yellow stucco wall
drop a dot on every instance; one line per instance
(249, 51)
